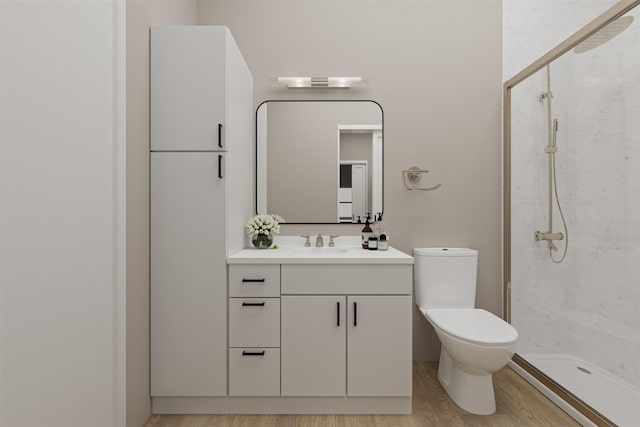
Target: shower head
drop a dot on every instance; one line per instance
(604, 34)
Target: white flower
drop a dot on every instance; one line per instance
(264, 224)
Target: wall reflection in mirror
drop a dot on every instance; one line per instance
(319, 161)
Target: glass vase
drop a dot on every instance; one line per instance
(262, 241)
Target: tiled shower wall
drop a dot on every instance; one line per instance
(589, 305)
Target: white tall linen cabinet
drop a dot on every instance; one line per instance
(202, 163)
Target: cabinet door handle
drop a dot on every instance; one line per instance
(220, 135)
(338, 311)
(253, 304)
(253, 353)
(220, 166)
(355, 313)
(253, 280)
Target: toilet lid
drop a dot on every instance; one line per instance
(445, 252)
(473, 324)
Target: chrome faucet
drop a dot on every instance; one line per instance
(319, 241)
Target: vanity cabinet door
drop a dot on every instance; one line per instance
(188, 88)
(313, 345)
(188, 276)
(379, 358)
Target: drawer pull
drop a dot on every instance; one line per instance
(253, 304)
(338, 311)
(253, 353)
(253, 280)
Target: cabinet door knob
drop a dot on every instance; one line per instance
(253, 304)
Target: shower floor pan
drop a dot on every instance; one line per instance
(615, 398)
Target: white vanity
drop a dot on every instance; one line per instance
(315, 330)
(320, 330)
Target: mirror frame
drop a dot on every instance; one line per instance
(255, 208)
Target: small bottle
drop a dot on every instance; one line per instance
(373, 243)
(367, 232)
(375, 225)
(379, 225)
(383, 243)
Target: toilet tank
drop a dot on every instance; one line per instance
(445, 277)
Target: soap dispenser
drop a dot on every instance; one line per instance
(378, 225)
(380, 233)
(366, 233)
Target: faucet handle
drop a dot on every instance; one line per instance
(331, 243)
(307, 243)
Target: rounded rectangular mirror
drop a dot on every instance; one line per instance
(319, 162)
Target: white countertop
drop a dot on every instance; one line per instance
(293, 251)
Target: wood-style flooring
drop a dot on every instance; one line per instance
(518, 404)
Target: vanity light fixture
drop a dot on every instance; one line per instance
(320, 82)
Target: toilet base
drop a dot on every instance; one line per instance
(473, 393)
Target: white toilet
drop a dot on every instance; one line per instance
(475, 343)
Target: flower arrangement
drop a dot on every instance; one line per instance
(264, 224)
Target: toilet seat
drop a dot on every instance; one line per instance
(473, 325)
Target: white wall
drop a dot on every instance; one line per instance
(61, 162)
(141, 14)
(435, 68)
(62, 213)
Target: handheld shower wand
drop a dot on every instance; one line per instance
(551, 150)
(550, 236)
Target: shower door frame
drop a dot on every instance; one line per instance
(613, 13)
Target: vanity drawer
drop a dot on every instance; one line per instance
(336, 279)
(249, 280)
(254, 322)
(254, 372)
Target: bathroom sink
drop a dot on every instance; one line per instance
(319, 251)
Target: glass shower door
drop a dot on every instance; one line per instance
(579, 319)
